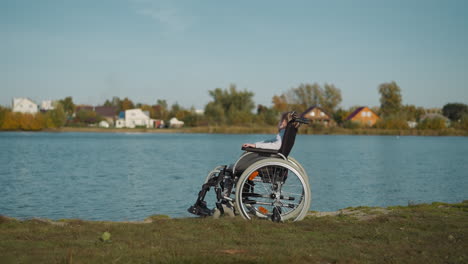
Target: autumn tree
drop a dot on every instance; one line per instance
(280, 103)
(160, 110)
(126, 104)
(3, 113)
(22, 121)
(147, 108)
(390, 99)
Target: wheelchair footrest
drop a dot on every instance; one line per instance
(200, 210)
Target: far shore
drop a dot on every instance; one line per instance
(267, 130)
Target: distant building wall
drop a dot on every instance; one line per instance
(47, 105)
(24, 105)
(134, 118)
(364, 115)
(318, 116)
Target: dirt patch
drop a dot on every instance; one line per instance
(233, 251)
(362, 214)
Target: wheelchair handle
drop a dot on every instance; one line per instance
(301, 120)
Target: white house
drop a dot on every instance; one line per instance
(47, 105)
(412, 124)
(24, 105)
(134, 118)
(175, 123)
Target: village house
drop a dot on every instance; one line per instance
(134, 118)
(108, 113)
(84, 108)
(175, 123)
(24, 105)
(317, 115)
(47, 105)
(364, 115)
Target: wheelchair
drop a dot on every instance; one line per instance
(262, 183)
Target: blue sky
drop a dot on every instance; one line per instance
(178, 50)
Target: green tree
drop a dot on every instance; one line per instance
(463, 124)
(269, 116)
(331, 98)
(390, 98)
(340, 116)
(230, 105)
(412, 113)
(87, 117)
(68, 106)
(115, 102)
(56, 117)
(307, 95)
(215, 113)
(455, 111)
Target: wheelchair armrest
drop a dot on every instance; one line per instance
(261, 151)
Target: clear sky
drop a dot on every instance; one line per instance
(178, 50)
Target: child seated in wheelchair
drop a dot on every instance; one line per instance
(223, 178)
(274, 143)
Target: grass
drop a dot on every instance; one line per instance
(427, 233)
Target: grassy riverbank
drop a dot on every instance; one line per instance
(435, 233)
(271, 130)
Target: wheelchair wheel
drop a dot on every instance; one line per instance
(273, 189)
(295, 162)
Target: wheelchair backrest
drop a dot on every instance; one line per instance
(288, 139)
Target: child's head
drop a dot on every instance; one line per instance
(283, 121)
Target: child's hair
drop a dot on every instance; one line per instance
(289, 116)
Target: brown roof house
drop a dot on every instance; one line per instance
(364, 115)
(317, 115)
(109, 113)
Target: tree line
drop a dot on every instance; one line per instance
(235, 107)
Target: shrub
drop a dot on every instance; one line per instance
(462, 123)
(394, 122)
(351, 124)
(432, 123)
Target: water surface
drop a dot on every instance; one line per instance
(112, 176)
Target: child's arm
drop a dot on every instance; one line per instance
(274, 143)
